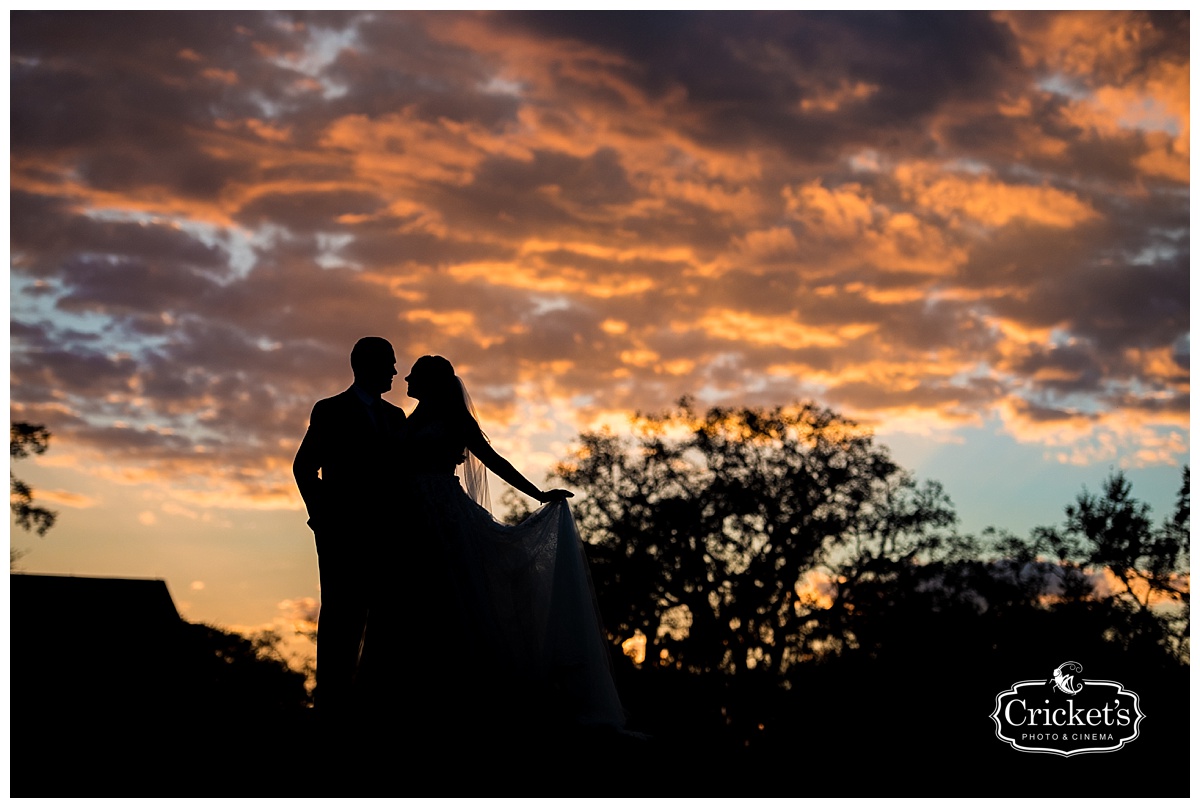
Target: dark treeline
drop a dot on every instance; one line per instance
(752, 540)
(804, 600)
(807, 621)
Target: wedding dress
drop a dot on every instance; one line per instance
(486, 614)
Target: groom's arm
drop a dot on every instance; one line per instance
(309, 460)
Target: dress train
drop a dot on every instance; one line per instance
(495, 622)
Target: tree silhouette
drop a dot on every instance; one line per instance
(737, 540)
(26, 439)
(790, 581)
(1148, 564)
(235, 673)
(704, 526)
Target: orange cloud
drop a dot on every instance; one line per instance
(1080, 43)
(68, 499)
(990, 202)
(552, 279)
(266, 131)
(406, 150)
(832, 99)
(1122, 83)
(741, 326)
(1076, 437)
(844, 212)
(778, 241)
(815, 590)
(1162, 365)
(218, 75)
(1140, 589)
(871, 233)
(680, 277)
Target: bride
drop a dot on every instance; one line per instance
(488, 624)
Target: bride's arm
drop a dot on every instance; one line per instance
(505, 470)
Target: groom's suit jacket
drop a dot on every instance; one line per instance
(354, 451)
(346, 473)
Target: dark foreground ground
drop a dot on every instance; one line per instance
(886, 734)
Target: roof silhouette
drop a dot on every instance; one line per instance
(91, 644)
(71, 604)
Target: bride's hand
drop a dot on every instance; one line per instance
(554, 495)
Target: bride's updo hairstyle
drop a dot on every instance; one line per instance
(446, 394)
(443, 388)
(434, 370)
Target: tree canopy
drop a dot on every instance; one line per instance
(26, 439)
(743, 539)
(709, 530)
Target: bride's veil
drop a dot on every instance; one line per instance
(474, 473)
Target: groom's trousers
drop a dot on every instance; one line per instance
(344, 571)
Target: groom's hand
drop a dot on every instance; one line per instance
(554, 495)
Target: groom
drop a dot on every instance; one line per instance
(348, 441)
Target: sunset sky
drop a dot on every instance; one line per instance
(969, 232)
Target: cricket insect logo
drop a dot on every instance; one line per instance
(1064, 681)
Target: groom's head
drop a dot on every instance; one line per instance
(374, 364)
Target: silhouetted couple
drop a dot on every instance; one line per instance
(434, 614)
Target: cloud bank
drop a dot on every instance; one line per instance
(923, 220)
